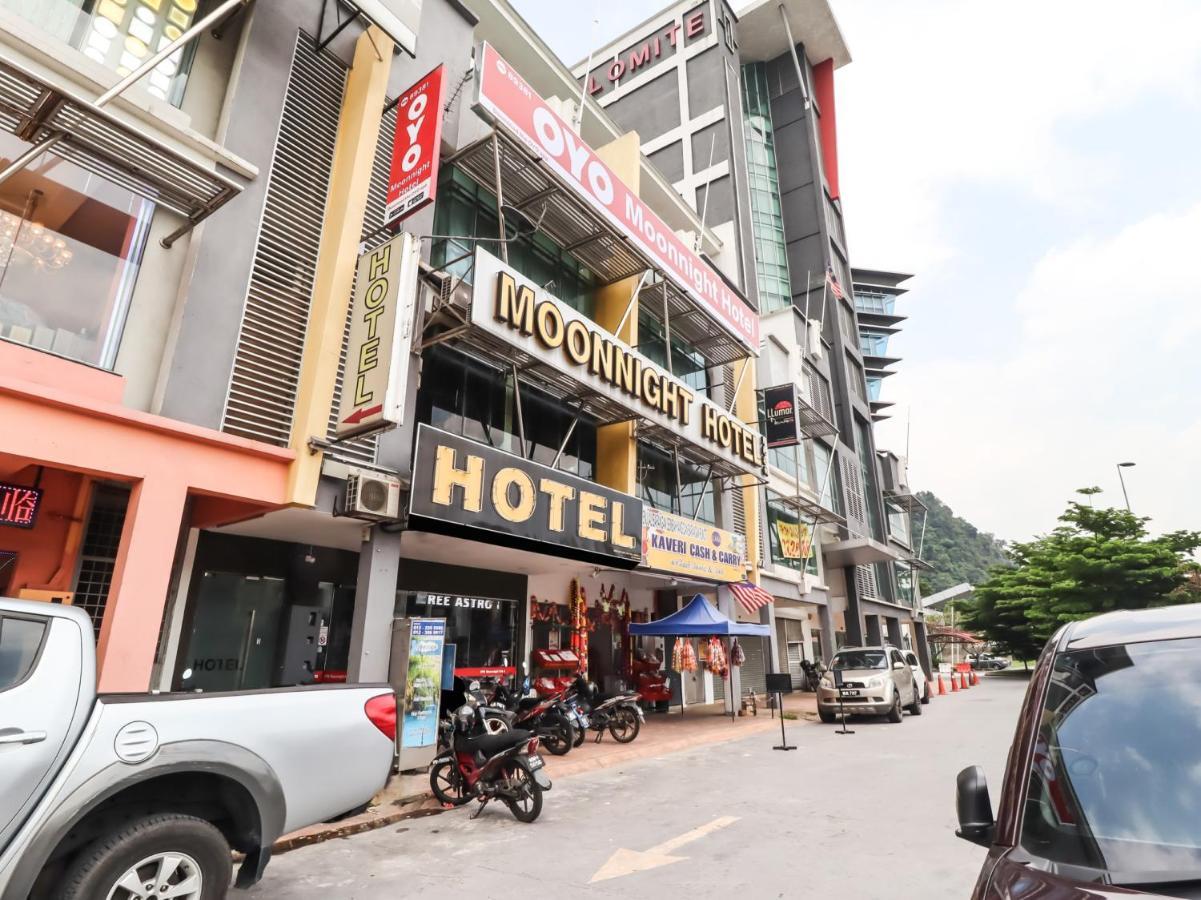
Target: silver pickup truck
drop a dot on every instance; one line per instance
(141, 796)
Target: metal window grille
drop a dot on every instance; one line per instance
(98, 555)
(865, 582)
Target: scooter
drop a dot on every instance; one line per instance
(620, 714)
(484, 767)
(547, 716)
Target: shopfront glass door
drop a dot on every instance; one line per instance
(232, 645)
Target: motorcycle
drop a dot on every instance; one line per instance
(546, 716)
(496, 720)
(620, 714)
(813, 674)
(480, 766)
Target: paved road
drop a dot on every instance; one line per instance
(869, 815)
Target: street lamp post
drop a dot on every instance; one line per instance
(1124, 465)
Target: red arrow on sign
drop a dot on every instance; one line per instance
(360, 414)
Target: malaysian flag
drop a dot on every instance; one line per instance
(832, 281)
(751, 596)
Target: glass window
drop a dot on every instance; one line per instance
(789, 537)
(20, 640)
(872, 343)
(868, 470)
(1114, 783)
(686, 364)
(120, 35)
(483, 630)
(898, 522)
(657, 476)
(904, 583)
(825, 485)
(70, 245)
(859, 659)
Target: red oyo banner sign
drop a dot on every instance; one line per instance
(415, 148)
(505, 99)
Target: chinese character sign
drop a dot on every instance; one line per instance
(19, 505)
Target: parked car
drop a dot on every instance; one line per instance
(875, 681)
(985, 662)
(1101, 795)
(919, 675)
(117, 796)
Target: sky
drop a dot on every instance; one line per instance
(1037, 166)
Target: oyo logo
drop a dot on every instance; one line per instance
(565, 145)
(415, 114)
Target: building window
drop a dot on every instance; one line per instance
(826, 478)
(855, 377)
(70, 245)
(904, 573)
(120, 35)
(466, 397)
(692, 495)
(466, 211)
(873, 343)
(868, 469)
(873, 388)
(767, 220)
(686, 364)
(870, 301)
(789, 537)
(898, 523)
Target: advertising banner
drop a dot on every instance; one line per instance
(519, 312)
(683, 546)
(458, 481)
(423, 682)
(780, 419)
(19, 505)
(505, 99)
(415, 148)
(381, 335)
(794, 539)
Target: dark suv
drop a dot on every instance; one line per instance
(1102, 791)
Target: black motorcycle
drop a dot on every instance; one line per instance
(548, 717)
(480, 766)
(813, 674)
(620, 714)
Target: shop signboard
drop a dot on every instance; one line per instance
(780, 416)
(460, 482)
(504, 98)
(519, 312)
(694, 549)
(794, 538)
(19, 505)
(381, 334)
(416, 148)
(422, 684)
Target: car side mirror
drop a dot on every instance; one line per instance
(898, 665)
(976, 821)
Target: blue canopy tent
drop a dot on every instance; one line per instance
(700, 618)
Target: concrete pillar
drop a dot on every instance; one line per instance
(872, 631)
(922, 638)
(893, 624)
(141, 579)
(825, 620)
(725, 605)
(854, 617)
(374, 607)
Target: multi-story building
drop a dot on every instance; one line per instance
(573, 388)
(876, 294)
(737, 109)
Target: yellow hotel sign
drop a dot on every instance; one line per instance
(688, 547)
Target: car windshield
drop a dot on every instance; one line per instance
(859, 659)
(1115, 783)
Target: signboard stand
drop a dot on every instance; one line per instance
(842, 713)
(780, 684)
(415, 673)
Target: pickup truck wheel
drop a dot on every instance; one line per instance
(163, 857)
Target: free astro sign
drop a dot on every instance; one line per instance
(504, 98)
(516, 310)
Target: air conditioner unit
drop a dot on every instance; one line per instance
(373, 496)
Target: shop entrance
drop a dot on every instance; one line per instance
(483, 630)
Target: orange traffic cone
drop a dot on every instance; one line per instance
(967, 681)
(954, 684)
(942, 688)
(975, 679)
(962, 682)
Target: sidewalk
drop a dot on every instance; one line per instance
(408, 796)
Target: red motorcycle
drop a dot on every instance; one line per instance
(547, 716)
(482, 766)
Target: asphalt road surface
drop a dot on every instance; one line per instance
(868, 815)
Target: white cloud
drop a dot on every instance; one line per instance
(1105, 371)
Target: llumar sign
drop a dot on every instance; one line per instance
(516, 310)
(458, 481)
(504, 98)
(780, 416)
(381, 333)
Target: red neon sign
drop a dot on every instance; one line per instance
(19, 505)
(415, 148)
(507, 100)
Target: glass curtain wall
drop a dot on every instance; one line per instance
(657, 475)
(771, 253)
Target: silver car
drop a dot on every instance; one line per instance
(868, 681)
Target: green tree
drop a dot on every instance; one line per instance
(1099, 560)
(957, 549)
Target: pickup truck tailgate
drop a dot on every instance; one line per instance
(327, 755)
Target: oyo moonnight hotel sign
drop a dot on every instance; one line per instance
(511, 307)
(460, 482)
(504, 98)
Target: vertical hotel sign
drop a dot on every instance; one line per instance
(415, 148)
(505, 99)
(375, 380)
